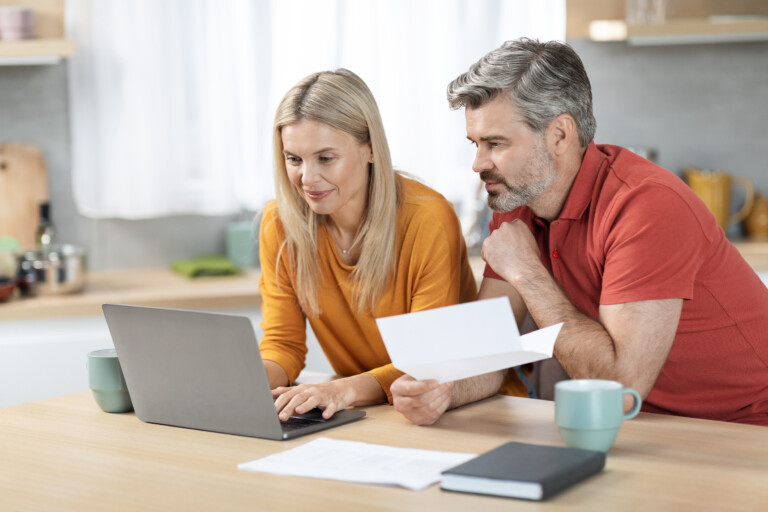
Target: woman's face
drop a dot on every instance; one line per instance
(329, 167)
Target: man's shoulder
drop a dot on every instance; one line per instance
(632, 170)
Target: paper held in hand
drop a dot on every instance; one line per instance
(456, 342)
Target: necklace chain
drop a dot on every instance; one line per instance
(342, 250)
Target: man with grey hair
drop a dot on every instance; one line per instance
(621, 251)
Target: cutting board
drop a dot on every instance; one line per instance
(23, 186)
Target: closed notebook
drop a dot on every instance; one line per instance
(521, 470)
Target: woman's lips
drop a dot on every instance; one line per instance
(316, 195)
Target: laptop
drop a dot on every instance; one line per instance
(203, 371)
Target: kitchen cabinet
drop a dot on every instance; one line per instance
(685, 22)
(49, 45)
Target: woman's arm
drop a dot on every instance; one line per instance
(283, 345)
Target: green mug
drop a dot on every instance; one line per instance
(105, 378)
(589, 412)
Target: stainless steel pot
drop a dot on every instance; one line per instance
(56, 270)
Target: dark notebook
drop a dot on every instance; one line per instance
(520, 470)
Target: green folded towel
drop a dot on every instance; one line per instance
(205, 266)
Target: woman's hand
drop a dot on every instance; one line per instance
(332, 396)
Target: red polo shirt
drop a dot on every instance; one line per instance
(632, 231)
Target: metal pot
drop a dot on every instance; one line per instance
(57, 270)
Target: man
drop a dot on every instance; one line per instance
(650, 291)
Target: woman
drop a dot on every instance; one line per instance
(347, 240)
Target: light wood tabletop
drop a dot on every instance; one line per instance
(65, 454)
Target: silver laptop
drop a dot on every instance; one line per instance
(203, 371)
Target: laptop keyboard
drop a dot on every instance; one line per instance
(312, 417)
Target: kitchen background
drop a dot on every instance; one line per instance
(702, 105)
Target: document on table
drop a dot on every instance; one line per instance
(352, 461)
(456, 342)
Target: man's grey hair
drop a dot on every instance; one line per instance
(543, 80)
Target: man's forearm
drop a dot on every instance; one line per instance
(475, 388)
(584, 348)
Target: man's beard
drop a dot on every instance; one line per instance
(538, 175)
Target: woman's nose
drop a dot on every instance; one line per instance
(309, 175)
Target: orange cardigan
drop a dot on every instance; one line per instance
(432, 270)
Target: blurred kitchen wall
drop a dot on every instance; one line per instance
(33, 109)
(702, 105)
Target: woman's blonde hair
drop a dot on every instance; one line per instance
(342, 100)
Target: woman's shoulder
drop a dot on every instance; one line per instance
(422, 203)
(270, 210)
(417, 193)
(270, 220)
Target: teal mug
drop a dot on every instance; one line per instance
(105, 378)
(589, 412)
(242, 242)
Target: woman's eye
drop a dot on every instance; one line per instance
(293, 160)
(325, 159)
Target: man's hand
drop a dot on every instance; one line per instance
(422, 402)
(512, 252)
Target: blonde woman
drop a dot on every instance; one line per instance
(347, 240)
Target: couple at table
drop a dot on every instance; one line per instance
(621, 251)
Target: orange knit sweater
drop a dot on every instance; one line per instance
(432, 270)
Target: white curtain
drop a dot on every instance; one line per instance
(172, 101)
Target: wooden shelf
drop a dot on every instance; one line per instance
(685, 22)
(35, 51)
(49, 43)
(720, 29)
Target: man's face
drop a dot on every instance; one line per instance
(511, 158)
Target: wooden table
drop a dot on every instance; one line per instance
(65, 454)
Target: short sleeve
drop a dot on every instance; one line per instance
(655, 244)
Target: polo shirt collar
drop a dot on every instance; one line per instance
(583, 186)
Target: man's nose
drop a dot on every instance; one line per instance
(482, 161)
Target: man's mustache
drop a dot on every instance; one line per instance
(491, 176)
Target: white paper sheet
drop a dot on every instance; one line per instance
(461, 341)
(352, 461)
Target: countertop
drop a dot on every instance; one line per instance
(161, 287)
(141, 286)
(755, 252)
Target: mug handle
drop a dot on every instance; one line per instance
(748, 202)
(638, 402)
